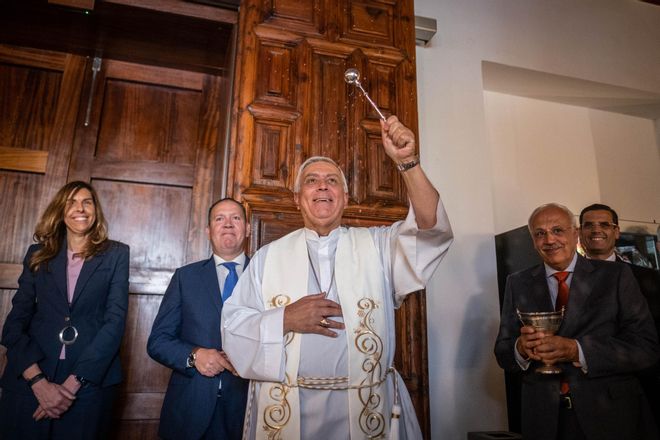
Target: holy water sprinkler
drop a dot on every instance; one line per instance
(352, 76)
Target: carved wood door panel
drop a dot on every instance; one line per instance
(291, 102)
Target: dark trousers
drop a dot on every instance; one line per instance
(89, 417)
(569, 426)
(225, 423)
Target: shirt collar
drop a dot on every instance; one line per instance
(549, 271)
(240, 259)
(612, 257)
(311, 234)
(71, 255)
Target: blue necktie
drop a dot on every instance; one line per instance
(230, 281)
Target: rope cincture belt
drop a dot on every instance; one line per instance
(334, 383)
(340, 383)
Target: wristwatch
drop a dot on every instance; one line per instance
(82, 381)
(405, 166)
(190, 362)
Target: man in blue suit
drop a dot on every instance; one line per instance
(204, 399)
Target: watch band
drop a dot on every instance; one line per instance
(82, 381)
(36, 378)
(192, 357)
(405, 166)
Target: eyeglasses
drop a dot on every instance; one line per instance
(590, 226)
(541, 234)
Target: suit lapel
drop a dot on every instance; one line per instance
(57, 268)
(540, 300)
(209, 277)
(578, 294)
(88, 269)
(246, 261)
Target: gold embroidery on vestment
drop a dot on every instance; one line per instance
(280, 300)
(277, 415)
(367, 341)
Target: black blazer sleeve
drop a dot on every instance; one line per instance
(508, 333)
(22, 350)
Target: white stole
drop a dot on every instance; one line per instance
(358, 273)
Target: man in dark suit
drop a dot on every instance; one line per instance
(204, 399)
(606, 336)
(599, 230)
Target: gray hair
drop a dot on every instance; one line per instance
(536, 212)
(314, 159)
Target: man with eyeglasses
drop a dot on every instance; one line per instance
(599, 230)
(607, 334)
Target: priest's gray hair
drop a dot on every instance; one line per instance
(537, 211)
(314, 159)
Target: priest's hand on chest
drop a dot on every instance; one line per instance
(312, 314)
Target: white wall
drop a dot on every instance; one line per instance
(609, 41)
(628, 160)
(541, 152)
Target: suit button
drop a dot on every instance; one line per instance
(67, 319)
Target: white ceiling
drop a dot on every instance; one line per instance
(572, 91)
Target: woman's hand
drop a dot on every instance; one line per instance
(54, 399)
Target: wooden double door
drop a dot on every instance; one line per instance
(149, 140)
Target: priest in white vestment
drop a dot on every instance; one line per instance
(311, 322)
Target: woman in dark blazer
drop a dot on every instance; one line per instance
(65, 327)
